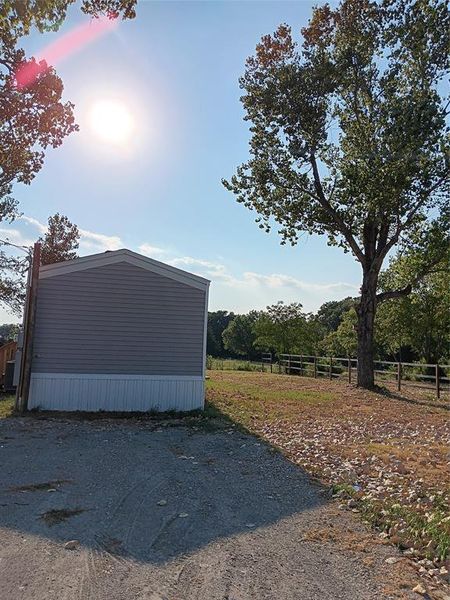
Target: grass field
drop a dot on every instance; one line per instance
(384, 456)
(234, 364)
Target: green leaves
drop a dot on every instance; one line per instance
(359, 99)
(60, 241)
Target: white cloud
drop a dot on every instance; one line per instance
(151, 251)
(277, 280)
(205, 268)
(100, 241)
(256, 290)
(37, 224)
(15, 237)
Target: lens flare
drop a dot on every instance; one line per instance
(64, 46)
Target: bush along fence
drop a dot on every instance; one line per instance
(424, 376)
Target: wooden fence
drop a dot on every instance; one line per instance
(423, 376)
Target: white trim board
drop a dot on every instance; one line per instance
(205, 331)
(128, 256)
(115, 393)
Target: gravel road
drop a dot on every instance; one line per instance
(168, 513)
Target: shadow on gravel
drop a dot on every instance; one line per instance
(148, 488)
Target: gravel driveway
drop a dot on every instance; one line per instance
(166, 513)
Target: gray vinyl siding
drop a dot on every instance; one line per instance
(119, 319)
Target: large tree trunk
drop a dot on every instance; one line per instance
(366, 318)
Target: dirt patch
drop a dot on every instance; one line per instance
(39, 487)
(59, 515)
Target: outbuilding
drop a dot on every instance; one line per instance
(118, 331)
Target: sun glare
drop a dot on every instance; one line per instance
(111, 121)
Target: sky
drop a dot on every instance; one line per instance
(175, 69)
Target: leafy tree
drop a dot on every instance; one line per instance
(331, 313)
(239, 336)
(32, 114)
(343, 341)
(420, 320)
(8, 332)
(60, 241)
(12, 281)
(218, 321)
(282, 328)
(349, 137)
(11, 267)
(314, 333)
(393, 328)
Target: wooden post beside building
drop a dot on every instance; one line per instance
(23, 389)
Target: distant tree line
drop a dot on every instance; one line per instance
(412, 328)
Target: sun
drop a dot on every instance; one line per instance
(111, 121)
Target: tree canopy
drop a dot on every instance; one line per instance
(331, 313)
(350, 138)
(60, 241)
(239, 336)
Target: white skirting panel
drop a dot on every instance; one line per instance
(94, 392)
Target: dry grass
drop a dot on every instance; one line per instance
(6, 406)
(384, 454)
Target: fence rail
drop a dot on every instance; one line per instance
(424, 376)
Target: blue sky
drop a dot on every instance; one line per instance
(176, 68)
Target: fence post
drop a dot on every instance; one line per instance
(399, 376)
(301, 365)
(349, 369)
(315, 367)
(279, 364)
(331, 367)
(289, 364)
(271, 362)
(438, 382)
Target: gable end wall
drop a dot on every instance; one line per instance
(118, 319)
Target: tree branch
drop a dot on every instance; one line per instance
(321, 198)
(394, 294)
(381, 254)
(408, 288)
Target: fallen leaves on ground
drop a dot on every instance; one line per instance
(383, 455)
